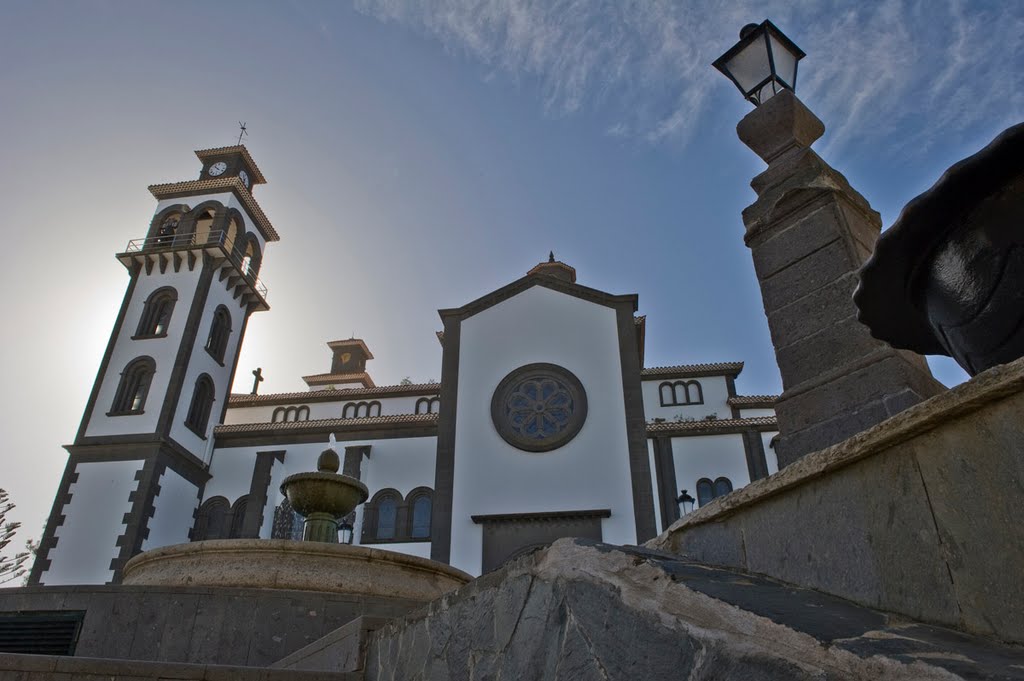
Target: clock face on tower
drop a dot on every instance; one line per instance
(218, 168)
(244, 177)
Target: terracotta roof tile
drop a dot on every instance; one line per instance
(171, 189)
(712, 425)
(752, 401)
(338, 424)
(362, 377)
(243, 400)
(686, 370)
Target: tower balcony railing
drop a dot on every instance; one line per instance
(221, 239)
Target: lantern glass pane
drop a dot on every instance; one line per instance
(750, 65)
(785, 62)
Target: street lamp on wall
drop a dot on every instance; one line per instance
(762, 63)
(685, 502)
(345, 532)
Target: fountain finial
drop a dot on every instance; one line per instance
(329, 462)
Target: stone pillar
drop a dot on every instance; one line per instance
(809, 232)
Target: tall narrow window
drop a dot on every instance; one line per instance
(421, 517)
(722, 487)
(705, 491)
(220, 330)
(156, 314)
(202, 403)
(133, 388)
(387, 517)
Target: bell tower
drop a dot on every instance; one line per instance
(139, 461)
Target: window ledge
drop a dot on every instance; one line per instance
(149, 336)
(397, 540)
(192, 429)
(126, 413)
(218, 360)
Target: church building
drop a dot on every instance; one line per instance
(545, 422)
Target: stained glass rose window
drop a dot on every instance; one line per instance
(539, 407)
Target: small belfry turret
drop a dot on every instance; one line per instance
(140, 459)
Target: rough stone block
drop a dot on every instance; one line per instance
(806, 276)
(805, 537)
(818, 354)
(718, 543)
(807, 234)
(974, 472)
(814, 312)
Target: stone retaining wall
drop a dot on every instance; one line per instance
(919, 515)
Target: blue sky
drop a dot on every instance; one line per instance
(422, 154)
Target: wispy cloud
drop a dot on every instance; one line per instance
(934, 66)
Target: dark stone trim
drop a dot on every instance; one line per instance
(105, 362)
(136, 521)
(541, 515)
(753, 448)
(293, 437)
(711, 427)
(258, 487)
(234, 363)
(130, 447)
(553, 283)
(188, 341)
(665, 470)
(56, 518)
(353, 464)
(444, 463)
(730, 385)
(636, 426)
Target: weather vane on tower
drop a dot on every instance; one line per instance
(242, 132)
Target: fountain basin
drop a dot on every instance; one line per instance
(287, 564)
(324, 492)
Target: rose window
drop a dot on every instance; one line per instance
(539, 407)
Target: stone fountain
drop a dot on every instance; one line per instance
(317, 563)
(323, 497)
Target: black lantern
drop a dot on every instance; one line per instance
(345, 532)
(762, 63)
(685, 502)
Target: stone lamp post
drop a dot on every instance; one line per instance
(323, 497)
(809, 232)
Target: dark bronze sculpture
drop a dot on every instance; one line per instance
(948, 277)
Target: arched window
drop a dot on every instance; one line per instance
(356, 410)
(705, 491)
(168, 227)
(419, 512)
(202, 403)
(428, 405)
(156, 313)
(250, 256)
(204, 224)
(286, 414)
(238, 516)
(212, 520)
(722, 487)
(387, 517)
(680, 393)
(133, 388)
(220, 330)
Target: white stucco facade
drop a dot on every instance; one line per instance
(173, 509)
(589, 472)
(87, 541)
(710, 457)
